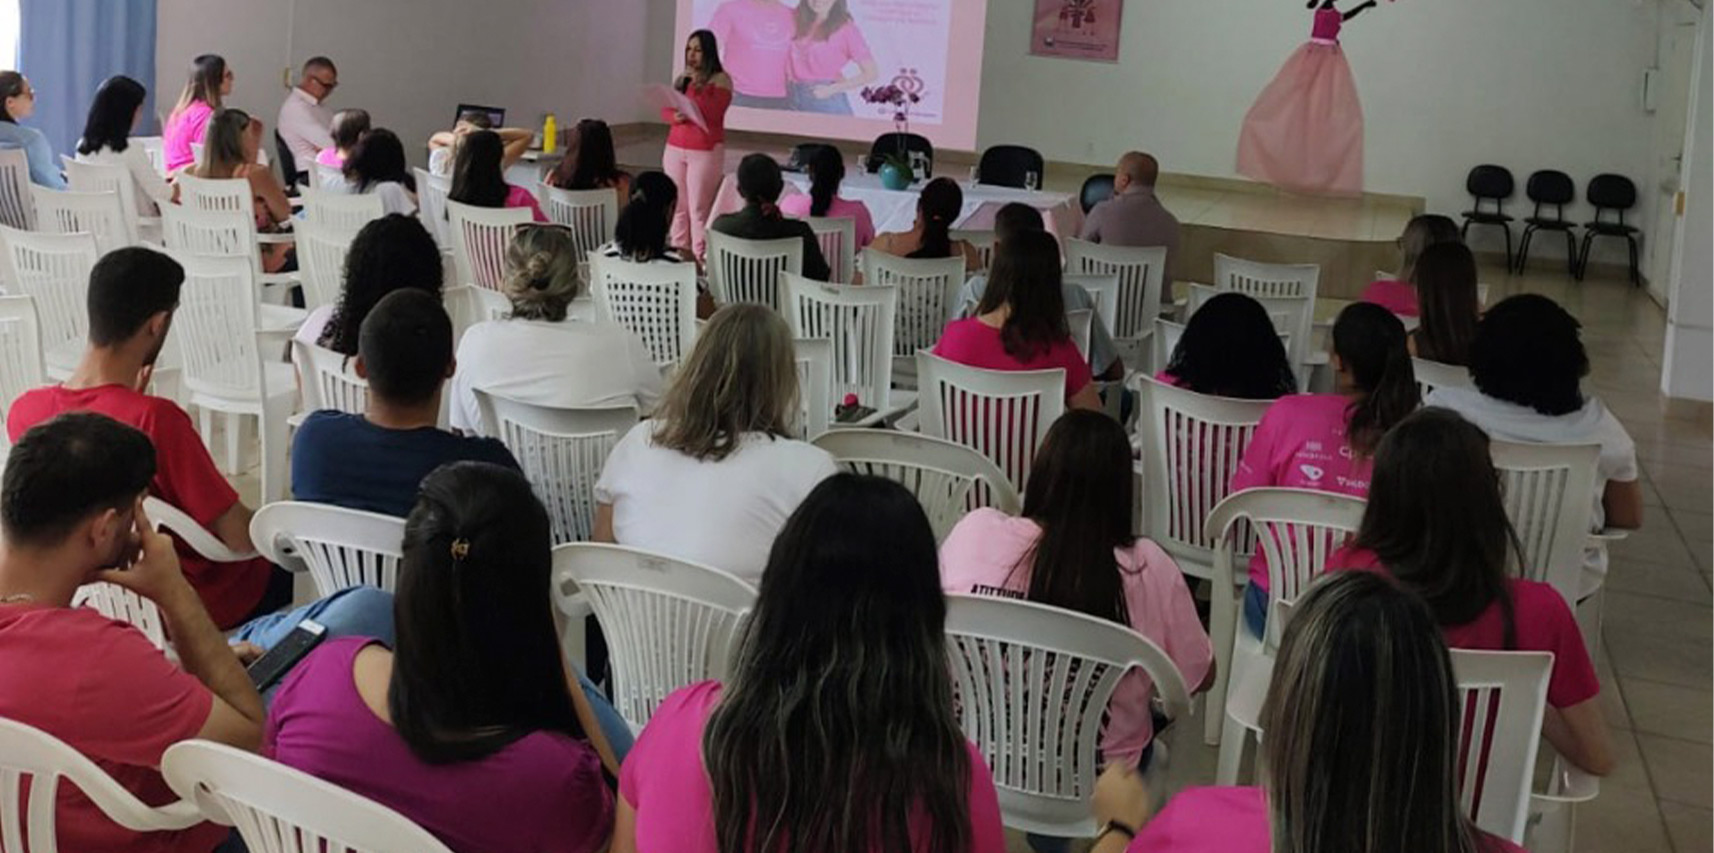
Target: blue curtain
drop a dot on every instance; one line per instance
(67, 47)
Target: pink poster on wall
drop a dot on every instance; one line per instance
(1077, 29)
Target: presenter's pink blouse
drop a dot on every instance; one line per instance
(1398, 297)
(814, 60)
(755, 41)
(797, 205)
(183, 128)
(665, 782)
(1232, 820)
(712, 101)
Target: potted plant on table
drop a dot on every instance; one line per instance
(897, 170)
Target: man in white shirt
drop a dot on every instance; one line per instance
(304, 122)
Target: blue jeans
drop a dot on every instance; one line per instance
(1256, 610)
(759, 102)
(803, 100)
(1055, 844)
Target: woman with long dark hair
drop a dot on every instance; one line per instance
(377, 165)
(825, 41)
(826, 171)
(1231, 349)
(590, 162)
(645, 223)
(1399, 294)
(696, 153)
(1447, 293)
(478, 180)
(836, 729)
(392, 253)
(760, 183)
(1020, 323)
(930, 236)
(107, 141)
(1436, 521)
(18, 101)
(1327, 442)
(209, 84)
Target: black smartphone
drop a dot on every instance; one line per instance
(277, 661)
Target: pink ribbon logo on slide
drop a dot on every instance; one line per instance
(909, 82)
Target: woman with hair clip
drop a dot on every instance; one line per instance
(645, 223)
(18, 101)
(1436, 521)
(713, 476)
(209, 84)
(1399, 293)
(590, 162)
(234, 141)
(1446, 289)
(1327, 442)
(695, 155)
(826, 171)
(825, 40)
(107, 141)
(478, 178)
(348, 128)
(930, 236)
(1020, 323)
(474, 706)
(539, 353)
(760, 183)
(1231, 349)
(836, 729)
(392, 253)
(377, 165)
(1359, 747)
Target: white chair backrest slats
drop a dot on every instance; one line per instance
(1004, 415)
(342, 211)
(101, 214)
(21, 365)
(837, 237)
(1297, 529)
(814, 357)
(562, 452)
(216, 325)
(231, 195)
(209, 232)
(155, 148)
(84, 177)
(1550, 492)
(480, 236)
(340, 547)
(1080, 323)
(928, 296)
(328, 380)
(1259, 279)
(1502, 697)
(1292, 316)
(655, 302)
(53, 270)
(858, 321)
(669, 623)
(431, 194)
(34, 763)
(1104, 290)
(122, 605)
(1433, 374)
(590, 214)
(321, 260)
(983, 241)
(1141, 272)
(948, 479)
(742, 270)
(17, 206)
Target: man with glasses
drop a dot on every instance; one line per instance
(304, 121)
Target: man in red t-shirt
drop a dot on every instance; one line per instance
(132, 295)
(72, 514)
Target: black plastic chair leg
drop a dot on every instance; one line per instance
(1583, 256)
(1524, 248)
(1636, 272)
(1571, 254)
(1508, 229)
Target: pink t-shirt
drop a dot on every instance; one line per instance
(755, 40)
(1231, 820)
(1541, 622)
(665, 781)
(543, 792)
(980, 554)
(977, 344)
(517, 196)
(1300, 444)
(815, 60)
(183, 128)
(798, 204)
(1398, 297)
(329, 156)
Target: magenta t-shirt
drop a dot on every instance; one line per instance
(815, 60)
(329, 156)
(1300, 444)
(666, 783)
(517, 196)
(755, 40)
(975, 343)
(797, 204)
(543, 793)
(184, 127)
(1231, 820)
(1398, 297)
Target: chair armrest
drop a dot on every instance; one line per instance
(1569, 784)
(204, 543)
(1608, 536)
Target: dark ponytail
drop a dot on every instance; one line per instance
(940, 203)
(1371, 343)
(1080, 495)
(826, 170)
(644, 225)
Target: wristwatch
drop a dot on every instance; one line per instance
(1116, 826)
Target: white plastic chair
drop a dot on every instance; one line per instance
(155, 148)
(105, 177)
(1433, 374)
(231, 195)
(669, 623)
(1549, 490)
(837, 236)
(742, 270)
(1502, 697)
(561, 452)
(983, 241)
(1141, 272)
(21, 366)
(17, 208)
(53, 270)
(590, 214)
(1004, 415)
(1104, 290)
(188, 231)
(281, 810)
(948, 479)
(340, 547)
(1274, 281)
(101, 214)
(341, 211)
(1293, 317)
(1080, 323)
(1032, 683)
(814, 359)
(34, 763)
(928, 299)
(431, 194)
(321, 261)
(1165, 340)
(328, 380)
(655, 302)
(480, 236)
(858, 320)
(196, 149)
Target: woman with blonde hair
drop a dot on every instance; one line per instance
(1398, 294)
(539, 353)
(714, 476)
(234, 141)
(210, 81)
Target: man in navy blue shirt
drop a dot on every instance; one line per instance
(374, 461)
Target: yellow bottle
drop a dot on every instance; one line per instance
(550, 132)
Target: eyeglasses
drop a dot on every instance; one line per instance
(330, 86)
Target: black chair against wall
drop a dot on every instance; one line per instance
(802, 153)
(888, 143)
(1549, 188)
(1010, 166)
(1617, 194)
(288, 164)
(1096, 189)
(1495, 184)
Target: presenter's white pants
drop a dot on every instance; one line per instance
(698, 175)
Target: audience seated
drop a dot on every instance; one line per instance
(443, 145)
(1447, 294)
(392, 253)
(107, 141)
(645, 223)
(590, 162)
(1528, 364)
(1327, 442)
(760, 183)
(209, 84)
(826, 170)
(1020, 323)
(375, 460)
(18, 101)
(837, 722)
(938, 208)
(470, 724)
(478, 176)
(303, 121)
(347, 129)
(538, 354)
(1134, 216)
(377, 165)
(712, 478)
(1231, 349)
(234, 141)
(1436, 521)
(1073, 548)
(1399, 294)
(1359, 746)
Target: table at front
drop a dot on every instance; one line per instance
(895, 210)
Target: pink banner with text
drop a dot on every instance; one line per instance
(1077, 29)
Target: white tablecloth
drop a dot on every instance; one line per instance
(895, 210)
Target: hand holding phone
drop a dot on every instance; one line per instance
(280, 659)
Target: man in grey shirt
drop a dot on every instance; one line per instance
(1134, 216)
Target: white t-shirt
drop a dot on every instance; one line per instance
(150, 189)
(394, 197)
(723, 514)
(567, 365)
(440, 161)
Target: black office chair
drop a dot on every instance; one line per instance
(888, 143)
(1096, 189)
(1010, 166)
(1495, 184)
(288, 163)
(1613, 193)
(802, 153)
(1549, 188)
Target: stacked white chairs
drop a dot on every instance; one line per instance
(431, 195)
(742, 270)
(339, 547)
(590, 214)
(837, 236)
(928, 298)
(101, 214)
(655, 302)
(1002, 414)
(1550, 491)
(322, 248)
(982, 241)
(33, 766)
(480, 236)
(53, 270)
(814, 359)
(1433, 374)
(948, 479)
(1141, 272)
(1032, 684)
(343, 211)
(105, 177)
(561, 452)
(669, 623)
(17, 207)
(281, 810)
(21, 366)
(858, 321)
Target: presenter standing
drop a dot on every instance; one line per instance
(827, 41)
(696, 153)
